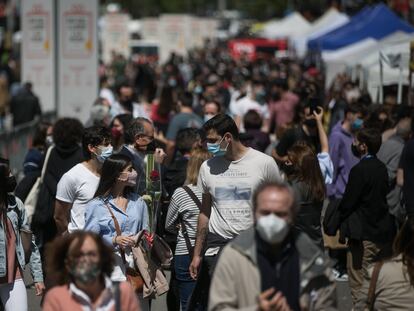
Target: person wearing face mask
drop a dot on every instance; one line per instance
(272, 266)
(80, 265)
(126, 103)
(227, 182)
(210, 109)
(306, 131)
(115, 198)
(118, 128)
(305, 176)
(253, 100)
(140, 135)
(34, 159)
(78, 185)
(340, 141)
(13, 219)
(364, 217)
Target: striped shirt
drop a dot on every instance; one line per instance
(182, 205)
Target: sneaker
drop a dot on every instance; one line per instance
(336, 273)
(342, 278)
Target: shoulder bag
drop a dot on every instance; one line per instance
(197, 202)
(373, 285)
(32, 198)
(133, 276)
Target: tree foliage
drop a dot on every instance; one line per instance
(255, 9)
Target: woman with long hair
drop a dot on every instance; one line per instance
(161, 110)
(304, 173)
(183, 211)
(12, 253)
(118, 128)
(115, 199)
(394, 287)
(80, 266)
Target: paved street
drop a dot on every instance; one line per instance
(344, 301)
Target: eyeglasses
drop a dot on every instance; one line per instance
(147, 137)
(90, 254)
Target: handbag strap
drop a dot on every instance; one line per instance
(193, 196)
(118, 231)
(373, 285)
(48, 152)
(183, 227)
(186, 237)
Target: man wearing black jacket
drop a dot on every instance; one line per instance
(365, 220)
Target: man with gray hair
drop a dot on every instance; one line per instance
(141, 134)
(271, 266)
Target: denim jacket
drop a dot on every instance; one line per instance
(99, 220)
(17, 215)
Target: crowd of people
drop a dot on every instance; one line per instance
(272, 190)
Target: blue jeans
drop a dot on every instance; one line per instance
(185, 282)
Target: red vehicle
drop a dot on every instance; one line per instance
(253, 48)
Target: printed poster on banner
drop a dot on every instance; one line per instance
(175, 34)
(78, 57)
(38, 55)
(115, 35)
(197, 39)
(151, 29)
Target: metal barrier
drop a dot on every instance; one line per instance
(15, 144)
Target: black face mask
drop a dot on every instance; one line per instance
(151, 147)
(127, 104)
(288, 169)
(311, 123)
(275, 96)
(355, 151)
(11, 183)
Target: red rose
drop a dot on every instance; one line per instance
(149, 237)
(154, 175)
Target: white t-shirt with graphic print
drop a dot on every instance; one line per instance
(231, 185)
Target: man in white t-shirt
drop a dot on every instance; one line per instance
(255, 99)
(78, 186)
(227, 182)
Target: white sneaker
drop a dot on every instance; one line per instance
(342, 278)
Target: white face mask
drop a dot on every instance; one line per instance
(208, 116)
(272, 228)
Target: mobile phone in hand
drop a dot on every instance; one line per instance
(313, 105)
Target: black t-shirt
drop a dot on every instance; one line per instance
(293, 136)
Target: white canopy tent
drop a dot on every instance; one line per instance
(291, 26)
(329, 21)
(366, 54)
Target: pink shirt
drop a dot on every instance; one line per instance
(13, 269)
(283, 111)
(69, 298)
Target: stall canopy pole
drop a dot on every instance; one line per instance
(400, 82)
(381, 91)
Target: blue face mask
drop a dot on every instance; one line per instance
(357, 124)
(215, 150)
(106, 152)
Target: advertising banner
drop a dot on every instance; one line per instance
(38, 53)
(115, 35)
(151, 29)
(78, 57)
(175, 34)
